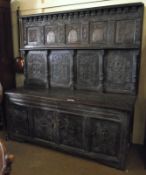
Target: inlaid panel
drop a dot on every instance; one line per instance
(61, 63)
(98, 32)
(120, 71)
(125, 31)
(50, 34)
(89, 69)
(73, 33)
(71, 130)
(105, 137)
(35, 36)
(36, 72)
(44, 124)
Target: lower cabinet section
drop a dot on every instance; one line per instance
(99, 134)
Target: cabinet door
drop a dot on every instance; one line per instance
(44, 124)
(18, 123)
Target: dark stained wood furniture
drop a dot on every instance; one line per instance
(81, 76)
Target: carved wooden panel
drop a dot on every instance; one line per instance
(105, 137)
(85, 33)
(36, 70)
(44, 124)
(35, 36)
(125, 31)
(50, 34)
(98, 32)
(89, 70)
(61, 63)
(70, 130)
(73, 33)
(120, 71)
(18, 123)
(61, 34)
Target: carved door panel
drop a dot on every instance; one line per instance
(18, 122)
(105, 137)
(108, 137)
(71, 130)
(44, 124)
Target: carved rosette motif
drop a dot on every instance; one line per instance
(89, 70)
(120, 71)
(37, 68)
(61, 63)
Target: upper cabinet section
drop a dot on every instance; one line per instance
(110, 27)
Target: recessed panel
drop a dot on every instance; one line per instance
(36, 68)
(44, 122)
(35, 36)
(105, 137)
(120, 71)
(98, 32)
(73, 33)
(50, 35)
(125, 31)
(71, 130)
(89, 70)
(61, 63)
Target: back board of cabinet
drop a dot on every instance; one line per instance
(81, 81)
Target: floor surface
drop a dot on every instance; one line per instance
(35, 160)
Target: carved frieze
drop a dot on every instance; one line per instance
(89, 70)
(36, 71)
(71, 130)
(90, 27)
(120, 71)
(61, 65)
